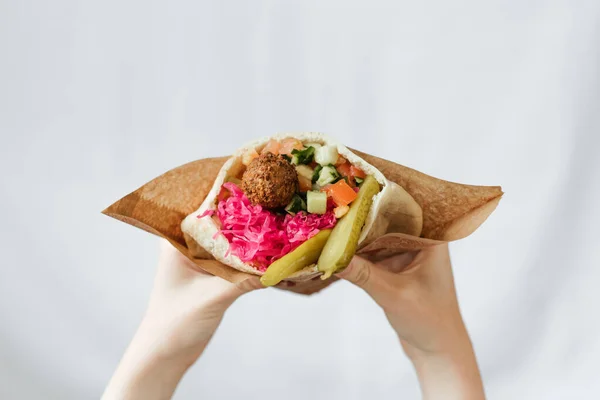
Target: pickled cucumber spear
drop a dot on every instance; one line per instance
(342, 243)
(303, 256)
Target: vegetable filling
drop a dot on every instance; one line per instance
(258, 229)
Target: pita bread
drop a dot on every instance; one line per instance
(393, 209)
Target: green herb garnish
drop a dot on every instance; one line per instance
(304, 156)
(315, 176)
(296, 205)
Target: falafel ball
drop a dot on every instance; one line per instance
(270, 180)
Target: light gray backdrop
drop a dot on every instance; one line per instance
(97, 98)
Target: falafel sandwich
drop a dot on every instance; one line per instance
(296, 206)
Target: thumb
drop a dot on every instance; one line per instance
(248, 285)
(229, 292)
(362, 272)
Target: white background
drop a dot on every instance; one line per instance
(96, 98)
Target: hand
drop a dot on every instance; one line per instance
(417, 293)
(187, 305)
(185, 308)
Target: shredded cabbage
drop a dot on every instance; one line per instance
(259, 237)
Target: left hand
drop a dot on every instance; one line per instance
(185, 308)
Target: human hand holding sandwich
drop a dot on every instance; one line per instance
(185, 309)
(416, 292)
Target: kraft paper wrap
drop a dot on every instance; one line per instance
(451, 211)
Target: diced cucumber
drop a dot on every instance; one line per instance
(316, 202)
(295, 205)
(358, 180)
(326, 155)
(305, 171)
(327, 175)
(313, 144)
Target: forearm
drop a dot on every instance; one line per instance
(153, 382)
(450, 376)
(146, 371)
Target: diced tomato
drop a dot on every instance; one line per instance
(272, 146)
(341, 193)
(330, 203)
(289, 144)
(346, 171)
(357, 172)
(305, 183)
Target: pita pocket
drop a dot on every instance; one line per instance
(391, 208)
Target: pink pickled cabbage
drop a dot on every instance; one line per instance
(258, 236)
(205, 213)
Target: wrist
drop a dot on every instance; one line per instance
(444, 337)
(449, 373)
(149, 353)
(160, 343)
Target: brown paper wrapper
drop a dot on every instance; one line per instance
(451, 211)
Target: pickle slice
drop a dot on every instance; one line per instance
(342, 243)
(303, 256)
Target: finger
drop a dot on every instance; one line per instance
(440, 253)
(399, 263)
(173, 266)
(361, 272)
(165, 251)
(249, 285)
(436, 261)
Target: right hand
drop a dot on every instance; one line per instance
(416, 291)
